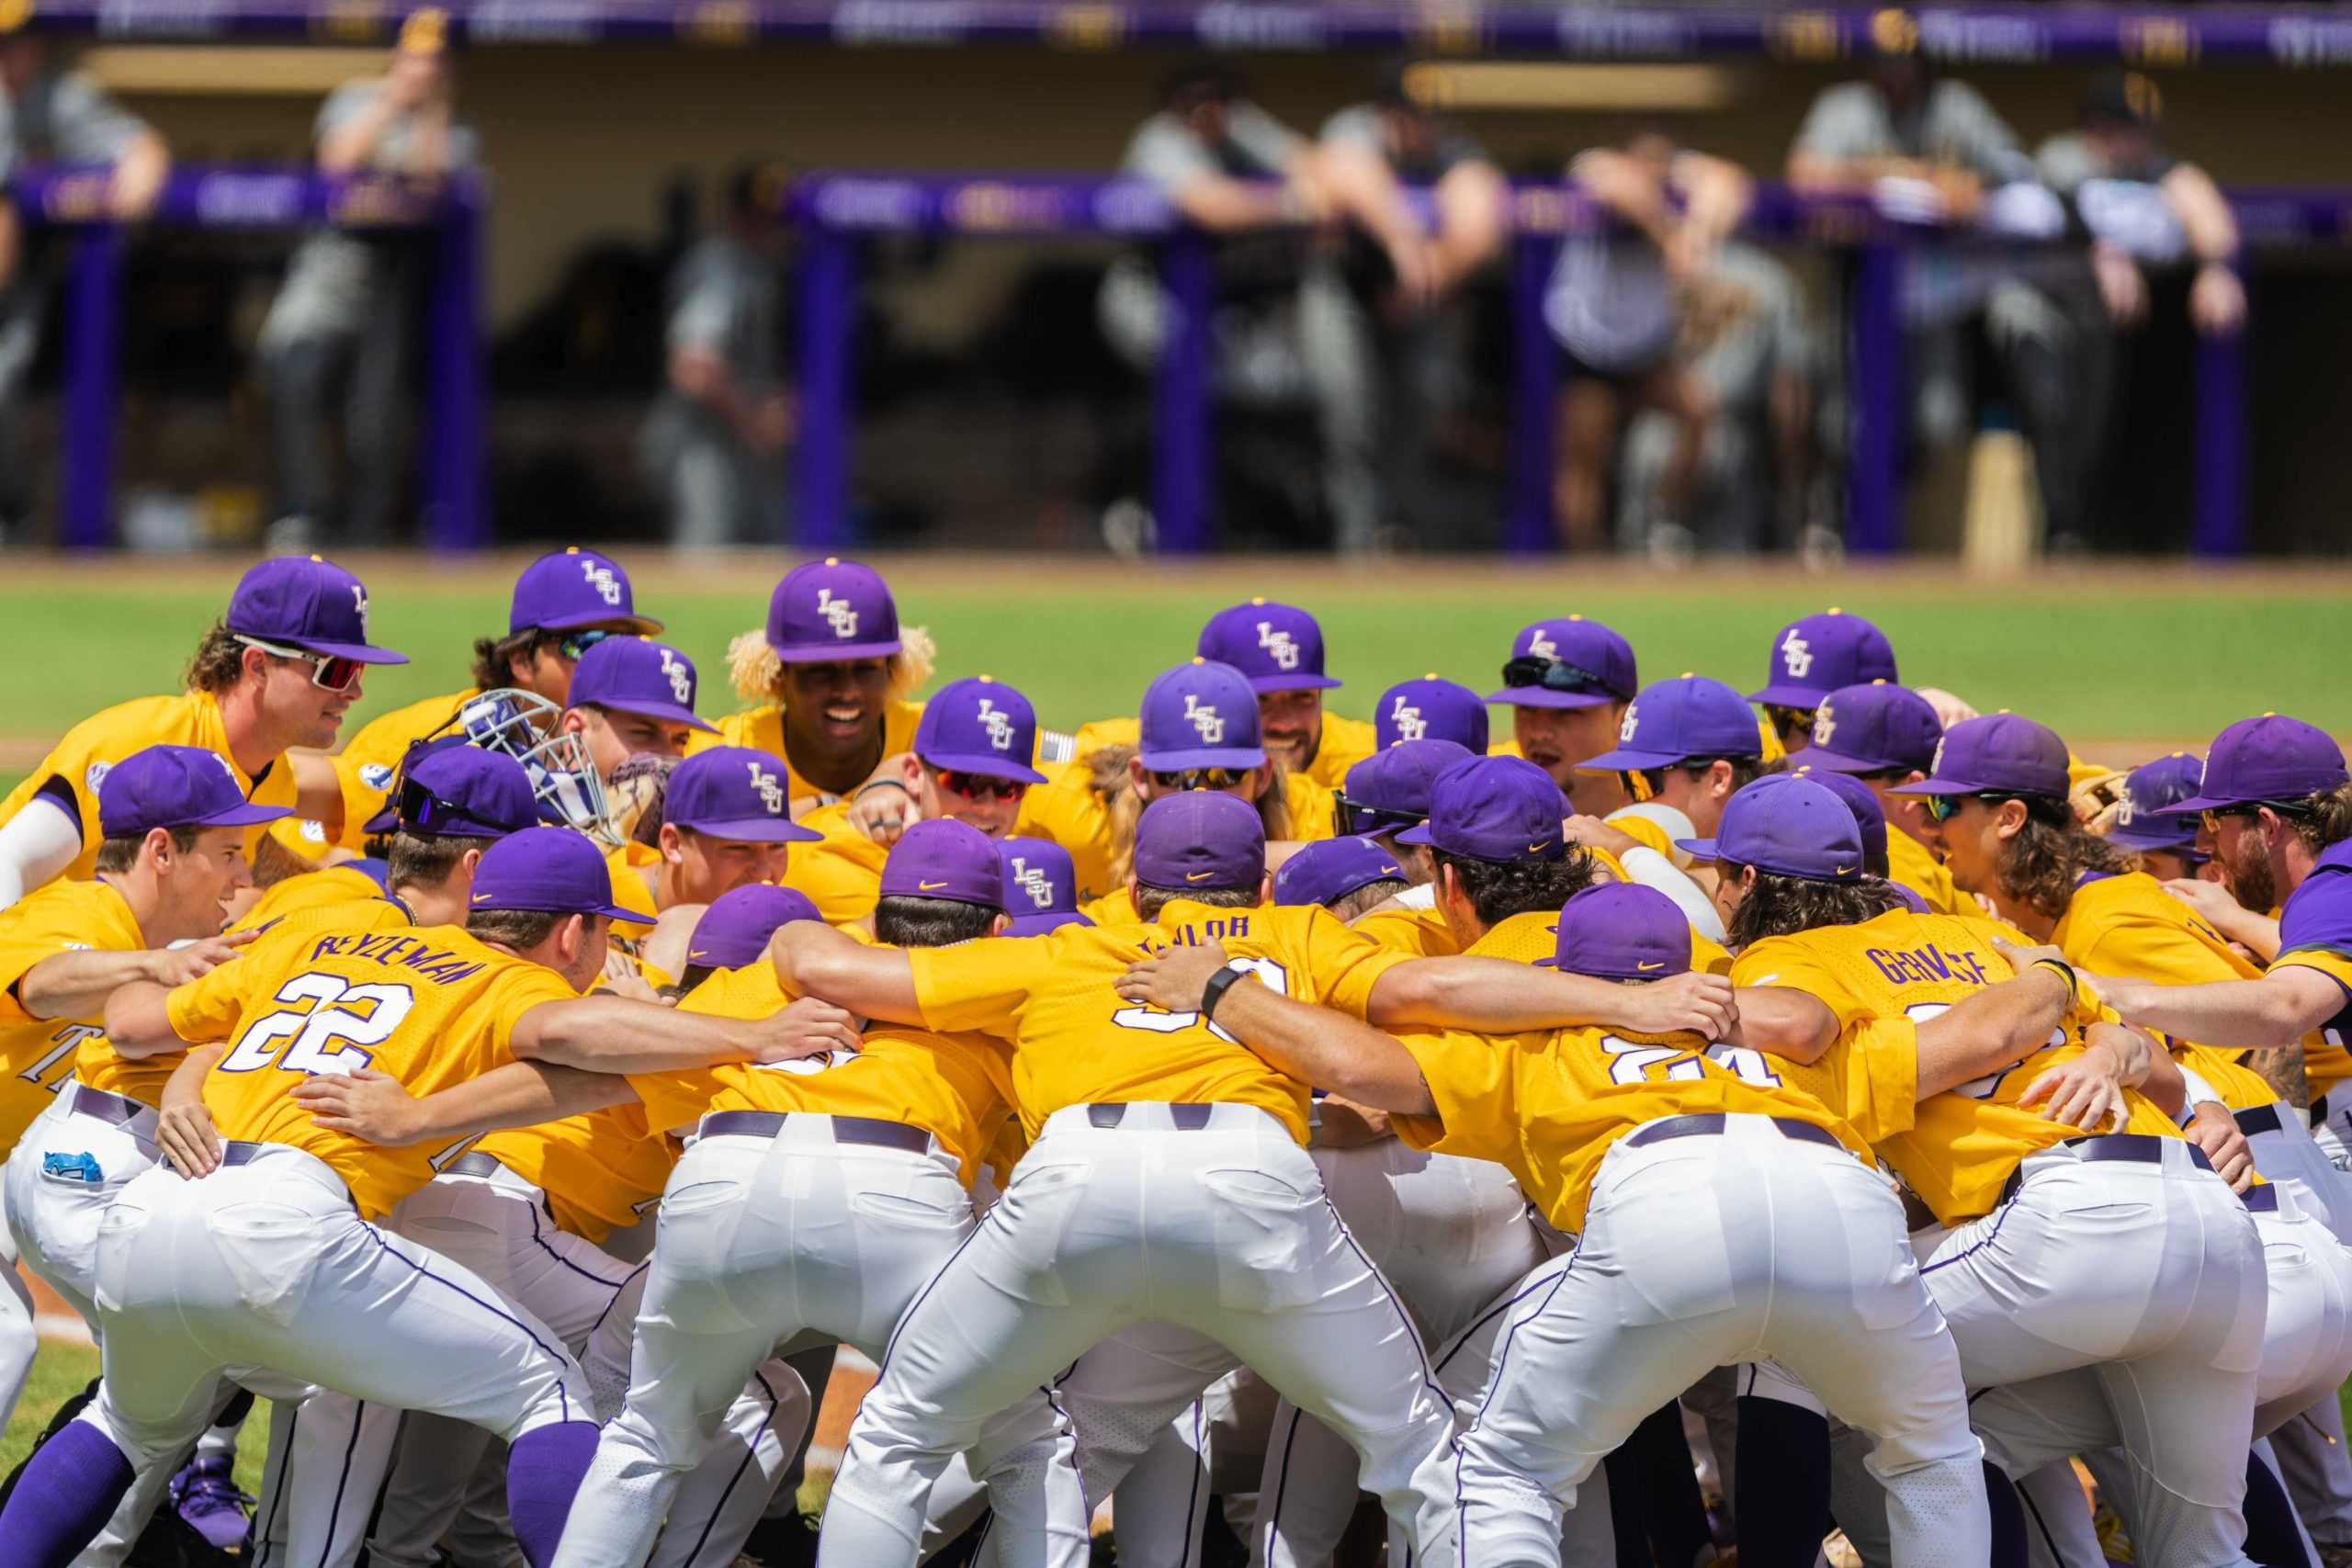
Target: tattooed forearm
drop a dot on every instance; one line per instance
(2281, 1068)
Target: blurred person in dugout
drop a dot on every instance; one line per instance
(347, 315)
(50, 115)
(714, 447)
(1920, 146)
(1328, 287)
(2161, 237)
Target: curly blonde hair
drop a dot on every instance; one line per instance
(758, 673)
(1108, 778)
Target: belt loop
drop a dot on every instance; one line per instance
(1190, 1117)
(1106, 1116)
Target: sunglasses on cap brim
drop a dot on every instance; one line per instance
(571, 645)
(1353, 817)
(1202, 778)
(1552, 675)
(420, 810)
(1944, 807)
(1788, 720)
(329, 671)
(2249, 809)
(979, 786)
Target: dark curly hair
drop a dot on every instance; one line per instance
(1499, 889)
(1783, 906)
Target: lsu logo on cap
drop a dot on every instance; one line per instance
(681, 680)
(771, 789)
(1541, 645)
(1936, 762)
(1205, 719)
(360, 602)
(376, 775)
(1407, 719)
(997, 723)
(1030, 879)
(96, 775)
(2124, 810)
(840, 614)
(1632, 721)
(1278, 644)
(1825, 725)
(600, 578)
(1796, 656)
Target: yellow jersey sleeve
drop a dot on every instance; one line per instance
(2129, 925)
(1474, 1089)
(1342, 964)
(1870, 1077)
(1643, 831)
(38, 1056)
(843, 873)
(1416, 933)
(980, 985)
(1782, 961)
(1346, 742)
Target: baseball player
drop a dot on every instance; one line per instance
(278, 671)
(734, 927)
(273, 1270)
(1389, 791)
(1431, 709)
(1812, 657)
(725, 824)
(1347, 877)
(1835, 978)
(969, 763)
(1197, 729)
(631, 696)
(2161, 841)
(1886, 736)
(1717, 1207)
(1567, 683)
(563, 604)
(1164, 1179)
(1040, 887)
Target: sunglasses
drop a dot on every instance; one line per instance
(1944, 807)
(2249, 810)
(571, 645)
(427, 812)
(1552, 675)
(1202, 778)
(329, 671)
(1789, 721)
(1353, 818)
(979, 786)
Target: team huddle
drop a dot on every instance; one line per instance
(1931, 1111)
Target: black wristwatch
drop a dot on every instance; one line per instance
(1214, 992)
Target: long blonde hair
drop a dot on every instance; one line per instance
(758, 674)
(1110, 779)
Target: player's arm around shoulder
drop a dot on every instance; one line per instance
(813, 960)
(618, 1034)
(1498, 996)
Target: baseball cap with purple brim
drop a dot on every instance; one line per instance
(1199, 838)
(1674, 721)
(944, 858)
(832, 609)
(1494, 808)
(553, 871)
(568, 589)
(1431, 709)
(1787, 826)
(1995, 753)
(2148, 814)
(1278, 648)
(308, 602)
(2272, 758)
(1870, 728)
(637, 676)
(735, 793)
(979, 725)
(1622, 930)
(735, 928)
(1200, 714)
(1392, 788)
(175, 786)
(1814, 655)
(1567, 663)
(1330, 869)
(451, 789)
(1040, 886)
(1860, 799)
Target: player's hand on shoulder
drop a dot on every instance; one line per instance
(186, 1137)
(1172, 979)
(2211, 1128)
(805, 1028)
(621, 979)
(365, 1104)
(1595, 834)
(1687, 1003)
(178, 965)
(2084, 1091)
(884, 805)
(2022, 956)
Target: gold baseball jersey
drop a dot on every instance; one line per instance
(635, 869)
(77, 765)
(1882, 979)
(2315, 932)
(2240, 1086)
(327, 887)
(39, 1055)
(842, 875)
(1912, 864)
(1546, 1104)
(1066, 810)
(1075, 1041)
(365, 768)
(762, 728)
(430, 1007)
(1423, 933)
(599, 1171)
(957, 1086)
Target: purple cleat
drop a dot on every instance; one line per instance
(206, 1497)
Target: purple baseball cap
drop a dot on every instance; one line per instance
(945, 859)
(1998, 751)
(175, 786)
(1431, 709)
(735, 928)
(979, 725)
(735, 793)
(1330, 869)
(1278, 647)
(1200, 838)
(1622, 930)
(455, 790)
(1814, 655)
(2147, 817)
(1570, 663)
(554, 871)
(1860, 799)
(2270, 758)
(1200, 715)
(1675, 720)
(307, 603)
(1040, 886)
(1494, 808)
(1787, 826)
(573, 588)
(1403, 777)
(636, 675)
(832, 609)
(1870, 728)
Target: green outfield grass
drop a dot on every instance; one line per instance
(2098, 654)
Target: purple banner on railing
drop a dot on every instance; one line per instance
(241, 199)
